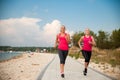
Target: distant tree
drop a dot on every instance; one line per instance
(115, 38)
(103, 40)
(94, 35)
(76, 37)
(5, 48)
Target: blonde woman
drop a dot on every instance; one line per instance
(88, 41)
(62, 40)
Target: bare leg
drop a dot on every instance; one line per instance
(62, 68)
(86, 64)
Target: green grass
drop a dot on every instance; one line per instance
(112, 62)
(76, 55)
(95, 60)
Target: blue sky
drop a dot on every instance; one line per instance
(76, 15)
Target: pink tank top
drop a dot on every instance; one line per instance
(63, 44)
(86, 45)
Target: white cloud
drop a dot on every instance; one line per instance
(27, 32)
(50, 31)
(18, 31)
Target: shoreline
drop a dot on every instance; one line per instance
(6, 56)
(25, 67)
(15, 57)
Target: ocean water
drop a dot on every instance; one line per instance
(9, 55)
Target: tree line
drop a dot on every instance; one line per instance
(104, 40)
(32, 49)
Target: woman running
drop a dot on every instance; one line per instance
(88, 41)
(62, 40)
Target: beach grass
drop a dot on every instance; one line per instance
(100, 56)
(107, 56)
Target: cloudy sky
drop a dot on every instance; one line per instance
(36, 22)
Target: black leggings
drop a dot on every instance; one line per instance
(86, 55)
(62, 55)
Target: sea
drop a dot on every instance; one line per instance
(9, 55)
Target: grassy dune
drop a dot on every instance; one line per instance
(99, 56)
(106, 56)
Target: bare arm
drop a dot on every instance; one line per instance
(68, 38)
(92, 42)
(80, 40)
(56, 41)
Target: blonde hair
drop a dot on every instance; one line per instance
(87, 29)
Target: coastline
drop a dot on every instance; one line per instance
(15, 57)
(25, 67)
(6, 56)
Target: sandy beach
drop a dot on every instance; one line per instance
(29, 66)
(26, 67)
